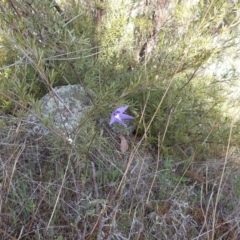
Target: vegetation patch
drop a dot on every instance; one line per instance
(167, 167)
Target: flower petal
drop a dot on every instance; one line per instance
(125, 116)
(121, 122)
(121, 109)
(113, 119)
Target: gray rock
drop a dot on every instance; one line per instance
(60, 110)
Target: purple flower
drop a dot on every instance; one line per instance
(119, 116)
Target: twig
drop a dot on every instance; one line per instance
(60, 190)
(99, 236)
(221, 180)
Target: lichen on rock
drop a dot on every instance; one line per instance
(61, 110)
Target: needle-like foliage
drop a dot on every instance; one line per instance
(175, 64)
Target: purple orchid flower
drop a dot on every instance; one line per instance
(119, 116)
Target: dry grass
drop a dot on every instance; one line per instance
(184, 186)
(50, 191)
